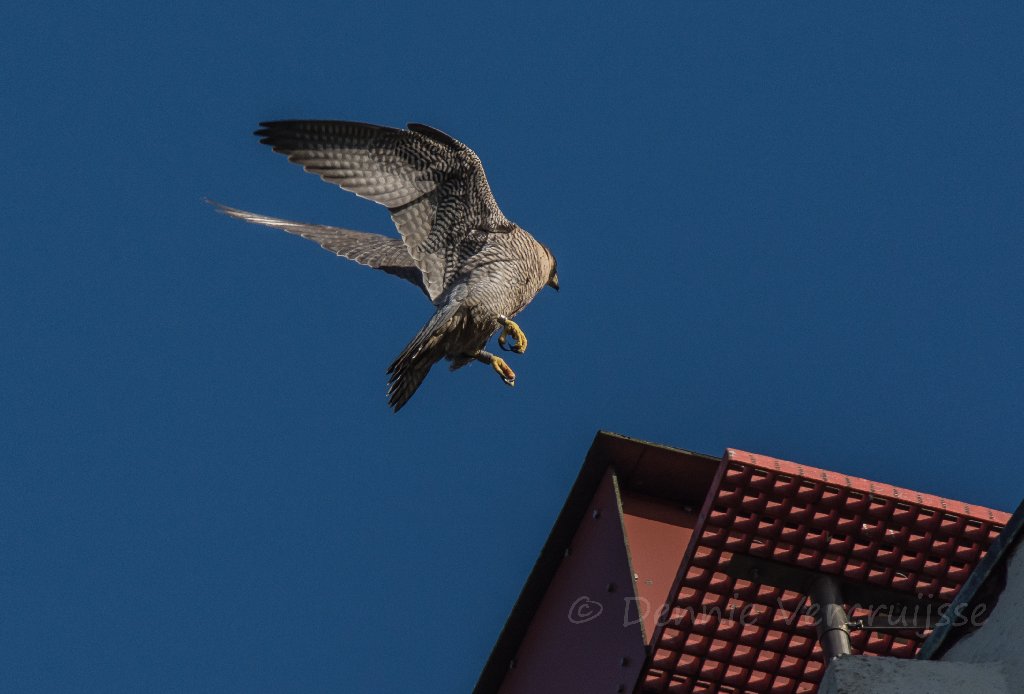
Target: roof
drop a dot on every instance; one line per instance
(641, 466)
(754, 637)
(726, 633)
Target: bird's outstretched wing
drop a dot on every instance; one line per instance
(373, 250)
(433, 185)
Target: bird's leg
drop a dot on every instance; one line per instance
(509, 328)
(499, 365)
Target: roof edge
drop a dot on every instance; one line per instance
(932, 501)
(979, 586)
(598, 459)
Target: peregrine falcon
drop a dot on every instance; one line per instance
(478, 268)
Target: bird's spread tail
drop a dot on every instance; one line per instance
(408, 370)
(406, 374)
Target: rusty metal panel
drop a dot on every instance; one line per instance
(578, 639)
(657, 533)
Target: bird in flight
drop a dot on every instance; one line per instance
(478, 268)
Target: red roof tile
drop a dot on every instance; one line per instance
(726, 634)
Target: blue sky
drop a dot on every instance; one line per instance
(793, 229)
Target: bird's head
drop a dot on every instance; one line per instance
(553, 273)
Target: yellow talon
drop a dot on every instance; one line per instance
(509, 328)
(506, 373)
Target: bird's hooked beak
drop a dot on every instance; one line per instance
(553, 282)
